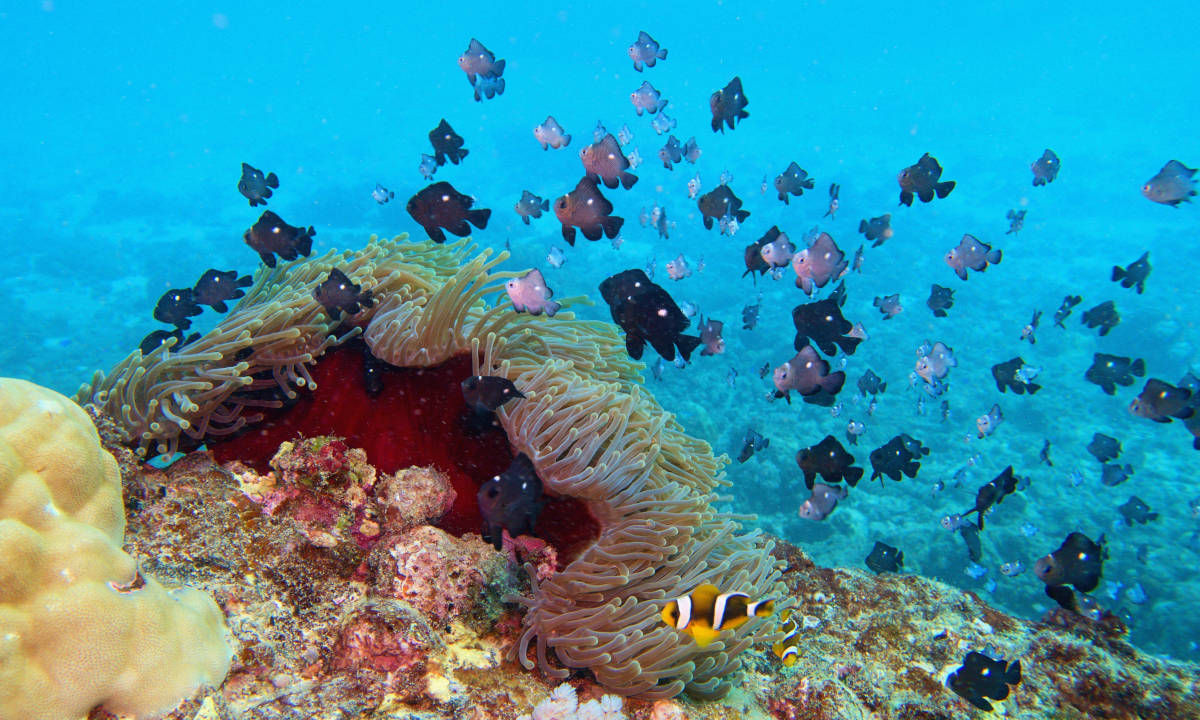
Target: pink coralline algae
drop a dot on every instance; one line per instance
(414, 496)
(334, 494)
(386, 637)
(442, 576)
(536, 552)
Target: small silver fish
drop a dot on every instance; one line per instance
(1026, 374)
(693, 187)
(975, 571)
(530, 293)
(678, 269)
(727, 177)
(662, 122)
(617, 242)
(831, 213)
(689, 309)
(428, 166)
(634, 158)
(551, 135)
(1012, 569)
(986, 424)
(556, 257)
(599, 132)
(382, 194)
(854, 430)
(729, 225)
(646, 99)
(646, 50)
(954, 522)
(625, 135)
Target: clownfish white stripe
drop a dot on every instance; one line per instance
(718, 619)
(685, 612)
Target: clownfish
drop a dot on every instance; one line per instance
(786, 649)
(707, 611)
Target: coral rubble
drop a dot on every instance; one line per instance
(326, 635)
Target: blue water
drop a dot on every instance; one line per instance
(125, 126)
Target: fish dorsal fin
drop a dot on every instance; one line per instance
(703, 599)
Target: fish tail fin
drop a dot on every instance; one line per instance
(994, 256)
(862, 226)
(272, 180)
(1138, 367)
(1117, 273)
(255, 202)
(943, 188)
(612, 225)
(500, 86)
(742, 215)
(545, 205)
(662, 53)
(628, 179)
(568, 234)
(552, 307)
(808, 184)
(686, 344)
(854, 474)
(906, 198)
(479, 218)
(742, 115)
(304, 242)
(499, 68)
(1037, 182)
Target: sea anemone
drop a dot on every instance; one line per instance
(634, 521)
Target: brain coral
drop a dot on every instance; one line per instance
(592, 432)
(80, 627)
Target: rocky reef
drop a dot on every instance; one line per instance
(346, 601)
